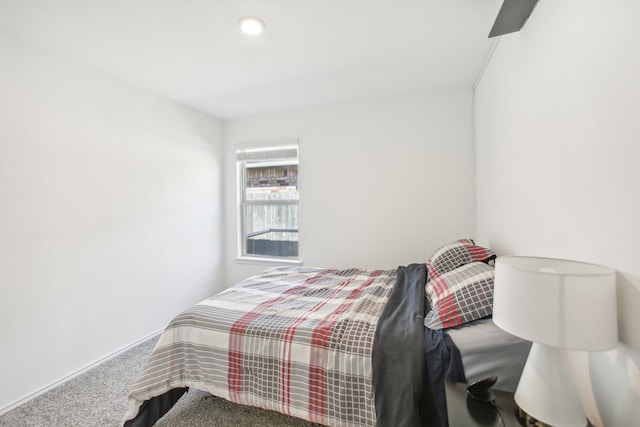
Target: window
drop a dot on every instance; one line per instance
(269, 195)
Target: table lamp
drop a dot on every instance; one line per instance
(557, 304)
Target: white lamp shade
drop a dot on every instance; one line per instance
(560, 303)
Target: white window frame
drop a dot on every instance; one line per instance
(242, 256)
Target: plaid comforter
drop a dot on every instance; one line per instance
(294, 340)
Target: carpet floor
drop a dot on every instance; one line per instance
(99, 398)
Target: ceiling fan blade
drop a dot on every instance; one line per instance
(512, 16)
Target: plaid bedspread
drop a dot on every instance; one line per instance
(293, 340)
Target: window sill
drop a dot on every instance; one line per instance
(267, 261)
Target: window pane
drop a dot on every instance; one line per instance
(271, 229)
(271, 182)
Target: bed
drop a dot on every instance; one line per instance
(334, 347)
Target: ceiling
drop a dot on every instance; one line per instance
(314, 52)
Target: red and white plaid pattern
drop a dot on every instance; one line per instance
(293, 340)
(456, 254)
(460, 296)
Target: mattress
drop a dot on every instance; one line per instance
(487, 350)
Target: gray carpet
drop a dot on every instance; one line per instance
(99, 398)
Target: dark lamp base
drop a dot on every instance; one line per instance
(527, 420)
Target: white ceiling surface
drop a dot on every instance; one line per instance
(314, 52)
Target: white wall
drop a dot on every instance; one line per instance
(557, 134)
(383, 183)
(110, 217)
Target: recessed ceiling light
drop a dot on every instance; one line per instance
(252, 26)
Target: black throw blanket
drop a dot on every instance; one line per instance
(443, 362)
(411, 362)
(398, 352)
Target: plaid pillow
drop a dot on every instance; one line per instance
(460, 296)
(453, 255)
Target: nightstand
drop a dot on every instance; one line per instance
(466, 412)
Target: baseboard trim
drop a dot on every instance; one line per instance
(74, 374)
